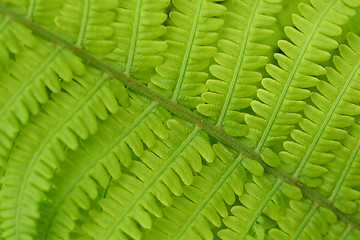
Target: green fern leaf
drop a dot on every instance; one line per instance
(182, 119)
(192, 27)
(237, 75)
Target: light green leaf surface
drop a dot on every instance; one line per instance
(181, 119)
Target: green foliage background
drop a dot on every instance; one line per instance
(182, 119)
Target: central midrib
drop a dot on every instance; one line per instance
(151, 182)
(319, 133)
(331, 198)
(172, 106)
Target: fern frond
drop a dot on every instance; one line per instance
(203, 204)
(325, 123)
(242, 53)
(284, 18)
(340, 230)
(154, 177)
(13, 37)
(343, 172)
(26, 85)
(201, 210)
(192, 27)
(83, 157)
(350, 27)
(93, 32)
(137, 29)
(352, 234)
(282, 96)
(301, 221)
(263, 200)
(42, 12)
(110, 151)
(41, 147)
(345, 188)
(142, 129)
(29, 86)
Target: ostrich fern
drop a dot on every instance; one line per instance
(181, 119)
